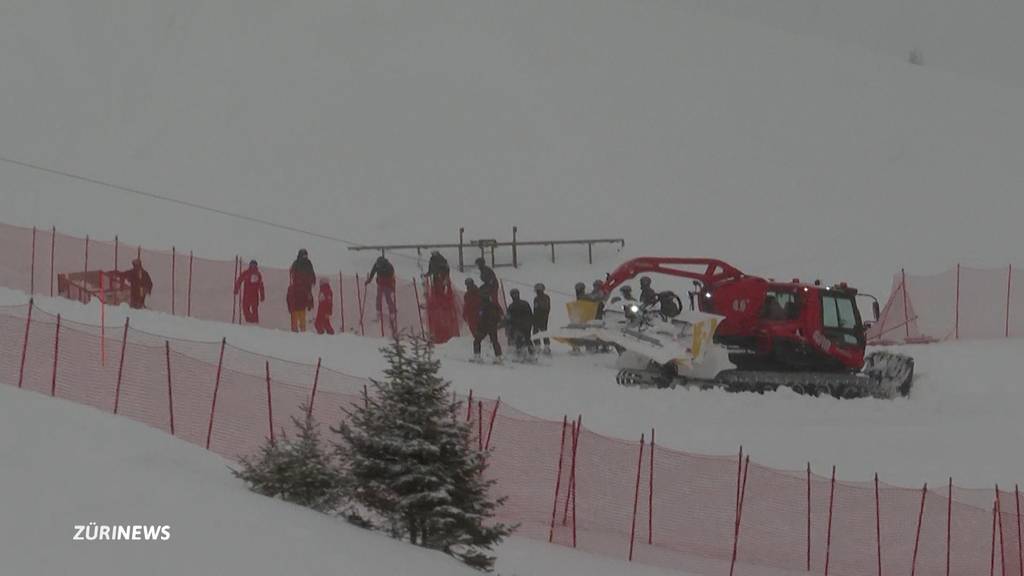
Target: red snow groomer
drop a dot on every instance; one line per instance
(806, 336)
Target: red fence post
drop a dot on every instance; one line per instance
(650, 495)
(558, 479)
(808, 516)
(174, 260)
(170, 394)
(956, 318)
(380, 311)
(575, 435)
(999, 515)
(341, 299)
(878, 527)
(103, 323)
(270, 405)
(906, 311)
(188, 300)
(360, 299)
(216, 388)
(917, 537)
(579, 427)
(24, 345)
(480, 425)
(739, 479)
(53, 244)
(419, 309)
(312, 396)
(739, 518)
(490, 427)
(949, 525)
(234, 298)
(992, 562)
(56, 352)
(828, 538)
(116, 246)
(636, 498)
(120, 365)
(1020, 550)
(1009, 280)
(32, 267)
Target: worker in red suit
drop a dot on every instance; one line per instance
(325, 308)
(300, 290)
(250, 284)
(139, 282)
(471, 306)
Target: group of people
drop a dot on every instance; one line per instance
(484, 316)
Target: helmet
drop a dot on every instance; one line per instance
(580, 286)
(470, 283)
(645, 280)
(252, 263)
(626, 289)
(303, 253)
(480, 261)
(538, 287)
(514, 293)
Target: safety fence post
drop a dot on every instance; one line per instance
(103, 323)
(419, 307)
(56, 353)
(32, 266)
(992, 562)
(739, 518)
(739, 480)
(216, 388)
(636, 498)
(170, 395)
(1009, 281)
(24, 345)
(53, 244)
(85, 265)
(234, 299)
(188, 300)
(270, 405)
(480, 425)
(1020, 550)
(906, 311)
(117, 243)
(828, 536)
(316, 382)
(650, 495)
(808, 516)
(574, 434)
(917, 537)
(341, 299)
(999, 515)
(571, 493)
(362, 305)
(956, 317)
(174, 259)
(949, 525)
(878, 527)
(490, 427)
(558, 478)
(120, 365)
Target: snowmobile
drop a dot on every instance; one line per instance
(741, 333)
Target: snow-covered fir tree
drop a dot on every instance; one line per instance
(410, 460)
(299, 470)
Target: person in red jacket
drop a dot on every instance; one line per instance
(141, 285)
(471, 306)
(300, 290)
(325, 309)
(250, 284)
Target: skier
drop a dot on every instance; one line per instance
(541, 311)
(648, 297)
(140, 282)
(385, 274)
(438, 273)
(300, 290)
(597, 295)
(441, 315)
(488, 279)
(625, 295)
(488, 320)
(520, 325)
(322, 323)
(250, 284)
(471, 306)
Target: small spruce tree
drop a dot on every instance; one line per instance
(298, 470)
(409, 460)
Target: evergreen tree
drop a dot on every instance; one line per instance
(409, 460)
(296, 470)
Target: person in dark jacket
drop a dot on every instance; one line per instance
(648, 297)
(488, 279)
(300, 290)
(488, 321)
(438, 272)
(520, 323)
(384, 272)
(471, 306)
(322, 324)
(141, 285)
(541, 311)
(250, 284)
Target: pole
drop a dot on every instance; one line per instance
(56, 351)
(216, 388)
(316, 382)
(906, 311)
(24, 345)
(380, 311)
(53, 244)
(341, 299)
(650, 496)
(956, 317)
(739, 518)
(469, 406)
(574, 435)
(808, 516)
(85, 267)
(490, 429)
(558, 478)
(917, 538)
(878, 527)
(234, 300)
(636, 498)
(579, 427)
(32, 266)
(170, 394)
(362, 300)
(515, 251)
(1009, 281)
(992, 562)
(828, 539)
(949, 524)
(103, 323)
(270, 405)
(116, 246)
(999, 515)
(462, 264)
(419, 310)
(188, 306)
(480, 425)
(739, 479)
(1020, 541)
(120, 365)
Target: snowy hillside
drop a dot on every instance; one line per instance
(390, 121)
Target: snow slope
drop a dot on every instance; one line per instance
(63, 465)
(685, 132)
